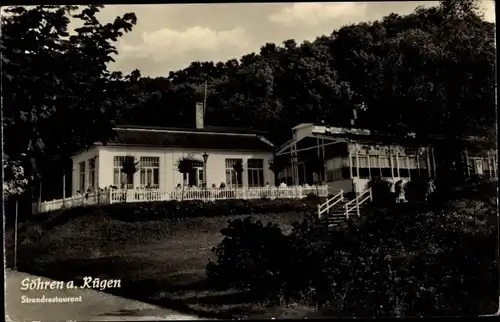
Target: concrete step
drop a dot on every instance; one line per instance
(343, 216)
(339, 209)
(337, 213)
(336, 225)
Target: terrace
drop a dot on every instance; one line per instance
(111, 196)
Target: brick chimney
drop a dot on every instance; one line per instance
(354, 116)
(199, 116)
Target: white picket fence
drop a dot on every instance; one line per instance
(74, 201)
(145, 195)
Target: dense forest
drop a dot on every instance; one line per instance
(428, 72)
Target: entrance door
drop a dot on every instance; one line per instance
(196, 177)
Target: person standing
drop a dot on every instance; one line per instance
(400, 192)
(430, 189)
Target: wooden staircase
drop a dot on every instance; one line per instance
(338, 209)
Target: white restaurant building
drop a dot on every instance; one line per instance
(351, 158)
(354, 156)
(158, 150)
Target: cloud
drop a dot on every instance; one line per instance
(167, 44)
(313, 14)
(488, 8)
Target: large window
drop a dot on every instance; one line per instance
(413, 165)
(491, 167)
(477, 166)
(354, 166)
(375, 170)
(92, 174)
(364, 167)
(255, 172)
(370, 166)
(487, 168)
(120, 178)
(82, 176)
(423, 166)
(482, 166)
(337, 174)
(395, 165)
(233, 179)
(149, 172)
(404, 166)
(385, 166)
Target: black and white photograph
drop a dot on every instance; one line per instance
(249, 160)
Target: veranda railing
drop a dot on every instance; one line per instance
(144, 195)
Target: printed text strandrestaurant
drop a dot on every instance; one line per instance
(55, 299)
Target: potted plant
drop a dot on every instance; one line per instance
(238, 168)
(276, 165)
(129, 166)
(185, 165)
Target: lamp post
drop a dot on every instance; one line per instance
(96, 179)
(205, 159)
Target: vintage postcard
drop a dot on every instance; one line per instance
(249, 160)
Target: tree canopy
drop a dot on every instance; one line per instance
(58, 94)
(428, 72)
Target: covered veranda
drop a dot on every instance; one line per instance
(309, 144)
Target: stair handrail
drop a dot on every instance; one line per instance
(358, 201)
(327, 205)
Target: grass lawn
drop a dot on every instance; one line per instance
(159, 261)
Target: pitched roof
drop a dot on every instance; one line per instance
(191, 139)
(216, 129)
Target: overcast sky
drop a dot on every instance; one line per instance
(169, 37)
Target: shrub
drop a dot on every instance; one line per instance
(474, 188)
(433, 263)
(251, 257)
(174, 209)
(381, 192)
(312, 196)
(415, 190)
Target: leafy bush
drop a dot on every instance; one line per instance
(483, 188)
(381, 192)
(264, 261)
(251, 257)
(434, 263)
(415, 190)
(312, 196)
(475, 187)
